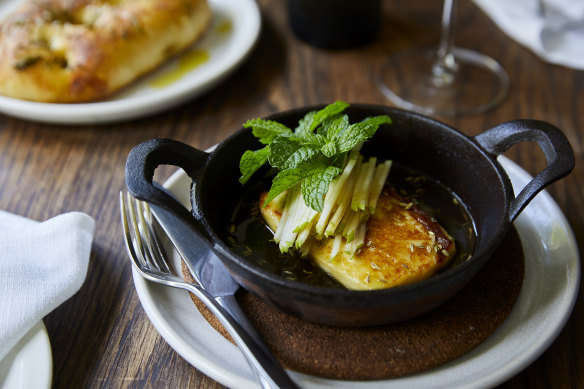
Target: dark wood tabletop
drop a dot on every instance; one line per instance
(102, 337)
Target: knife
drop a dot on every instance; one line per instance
(215, 279)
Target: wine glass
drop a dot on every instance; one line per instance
(447, 81)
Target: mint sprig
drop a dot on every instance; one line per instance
(312, 154)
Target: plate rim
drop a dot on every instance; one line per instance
(32, 352)
(227, 376)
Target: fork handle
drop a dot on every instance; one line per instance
(265, 367)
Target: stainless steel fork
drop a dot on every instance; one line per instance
(151, 261)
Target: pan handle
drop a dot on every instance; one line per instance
(553, 143)
(143, 161)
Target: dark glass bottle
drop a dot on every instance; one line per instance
(335, 24)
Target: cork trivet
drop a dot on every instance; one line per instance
(398, 349)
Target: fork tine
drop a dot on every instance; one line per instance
(146, 243)
(141, 229)
(159, 250)
(150, 237)
(130, 239)
(140, 242)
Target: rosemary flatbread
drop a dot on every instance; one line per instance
(67, 51)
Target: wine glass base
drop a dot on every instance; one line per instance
(478, 84)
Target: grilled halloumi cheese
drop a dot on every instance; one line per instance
(403, 244)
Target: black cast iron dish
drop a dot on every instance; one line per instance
(467, 165)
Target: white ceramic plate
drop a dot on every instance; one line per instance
(546, 300)
(29, 365)
(232, 35)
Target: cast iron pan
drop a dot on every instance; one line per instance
(466, 165)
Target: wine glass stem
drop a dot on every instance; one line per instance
(445, 66)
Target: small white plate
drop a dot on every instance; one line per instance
(546, 300)
(29, 365)
(232, 35)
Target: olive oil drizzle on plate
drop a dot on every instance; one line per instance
(191, 59)
(187, 62)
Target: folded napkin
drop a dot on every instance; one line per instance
(552, 29)
(41, 266)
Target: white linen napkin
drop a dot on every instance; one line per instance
(41, 266)
(552, 29)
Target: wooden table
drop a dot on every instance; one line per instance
(101, 337)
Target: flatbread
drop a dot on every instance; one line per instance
(69, 51)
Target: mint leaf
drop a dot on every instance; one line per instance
(360, 132)
(313, 119)
(266, 130)
(251, 161)
(316, 184)
(352, 136)
(338, 160)
(331, 128)
(287, 152)
(305, 123)
(374, 123)
(335, 126)
(313, 140)
(285, 180)
(328, 111)
(329, 149)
